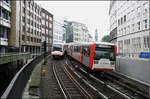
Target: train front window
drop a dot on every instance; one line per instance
(104, 53)
(57, 48)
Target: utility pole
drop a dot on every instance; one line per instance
(20, 31)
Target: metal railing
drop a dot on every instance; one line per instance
(10, 57)
(18, 83)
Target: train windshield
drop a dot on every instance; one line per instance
(57, 47)
(104, 53)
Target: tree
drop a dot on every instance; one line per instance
(106, 38)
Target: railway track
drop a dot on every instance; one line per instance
(109, 88)
(70, 88)
(49, 85)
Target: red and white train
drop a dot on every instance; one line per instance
(58, 50)
(98, 56)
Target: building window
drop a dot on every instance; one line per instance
(5, 14)
(29, 4)
(35, 32)
(51, 18)
(28, 38)
(118, 22)
(23, 28)
(145, 24)
(138, 25)
(23, 18)
(47, 23)
(46, 16)
(125, 18)
(31, 39)
(146, 7)
(121, 20)
(50, 25)
(43, 14)
(23, 37)
(32, 31)
(43, 22)
(138, 11)
(132, 27)
(146, 41)
(35, 24)
(28, 21)
(120, 46)
(3, 32)
(23, 10)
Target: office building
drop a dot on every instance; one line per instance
(130, 27)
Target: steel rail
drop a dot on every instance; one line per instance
(83, 91)
(88, 84)
(61, 87)
(107, 85)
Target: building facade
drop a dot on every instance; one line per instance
(59, 30)
(26, 27)
(47, 28)
(77, 32)
(69, 32)
(80, 32)
(130, 27)
(5, 24)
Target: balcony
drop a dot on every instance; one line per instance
(4, 41)
(5, 5)
(4, 22)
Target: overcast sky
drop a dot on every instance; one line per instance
(95, 14)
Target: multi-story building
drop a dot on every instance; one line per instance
(77, 32)
(59, 35)
(47, 28)
(130, 27)
(113, 21)
(31, 27)
(26, 27)
(5, 24)
(80, 32)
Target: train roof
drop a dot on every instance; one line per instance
(59, 43)
(87, 43)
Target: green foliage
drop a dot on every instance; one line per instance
(106, 38)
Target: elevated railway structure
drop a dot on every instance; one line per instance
(67, 78)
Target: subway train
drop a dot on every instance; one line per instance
(98, 56)
(58, 50)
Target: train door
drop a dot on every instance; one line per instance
(86, 55)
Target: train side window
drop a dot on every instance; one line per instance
(76, 49)
(81, 49)
(86, 51)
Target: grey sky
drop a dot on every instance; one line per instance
(92, 13)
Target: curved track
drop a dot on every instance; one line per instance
(108, 87)
(69, 86)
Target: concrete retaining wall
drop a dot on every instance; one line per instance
(136, 68)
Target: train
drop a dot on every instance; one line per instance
(97, 56)
(58, 50)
